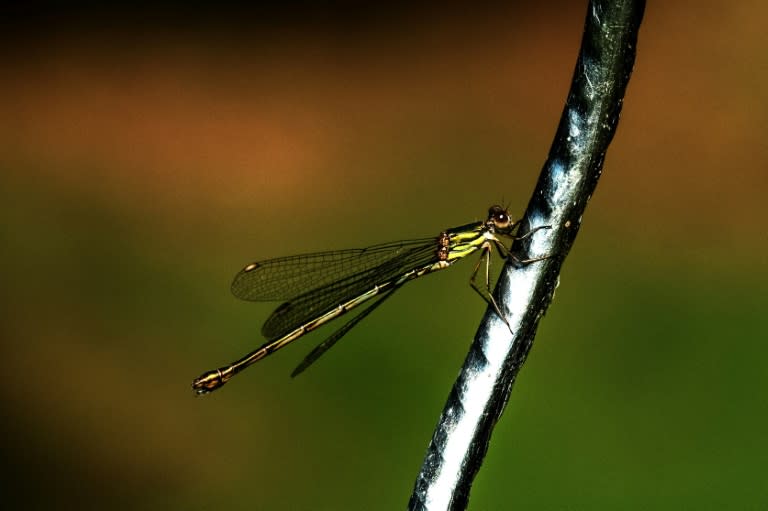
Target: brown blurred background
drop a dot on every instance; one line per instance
(146, 155)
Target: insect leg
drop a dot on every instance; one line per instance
(486, 293)
(507, 253)
(522, 237)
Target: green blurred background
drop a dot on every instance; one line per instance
(146, 156)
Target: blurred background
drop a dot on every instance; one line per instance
(147, 155)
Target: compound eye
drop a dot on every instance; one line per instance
(499, 216)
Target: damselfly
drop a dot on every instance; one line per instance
(322, 286)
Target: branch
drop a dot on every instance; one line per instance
(566, 183)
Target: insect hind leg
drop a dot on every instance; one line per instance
(485, 293)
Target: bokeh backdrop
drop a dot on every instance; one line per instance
(147, 155)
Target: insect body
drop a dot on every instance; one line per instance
(322, 286)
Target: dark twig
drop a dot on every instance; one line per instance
(567, 181)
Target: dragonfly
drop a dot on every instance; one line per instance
(319, 287)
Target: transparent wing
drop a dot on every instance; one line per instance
(328, 343)
(283, 278)
(319, 300)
